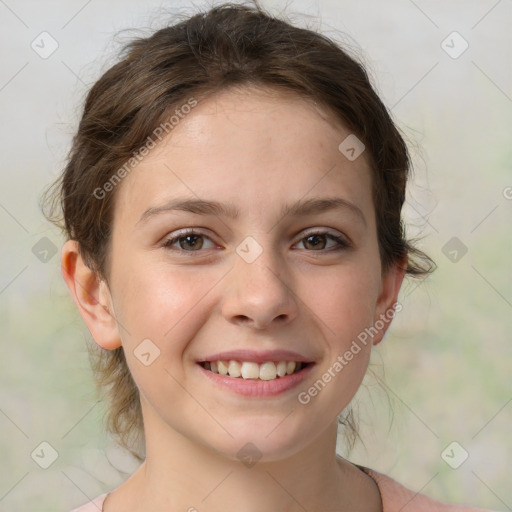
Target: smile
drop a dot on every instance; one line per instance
(268, 370)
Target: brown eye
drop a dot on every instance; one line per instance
(315, 242)
(191, 241)
(318, 242)
(187, 242)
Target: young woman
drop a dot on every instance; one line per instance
(232, 204)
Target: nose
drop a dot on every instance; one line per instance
(256, 294)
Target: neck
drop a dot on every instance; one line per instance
(180, 474)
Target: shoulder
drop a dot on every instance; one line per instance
(94, 505)
(396, 497)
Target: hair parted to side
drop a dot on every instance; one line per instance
(230, 45)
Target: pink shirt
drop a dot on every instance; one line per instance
(395, 498)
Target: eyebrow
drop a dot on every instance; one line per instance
(301, 208)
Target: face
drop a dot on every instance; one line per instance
(246, 235)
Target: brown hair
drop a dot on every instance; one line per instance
(230, 45)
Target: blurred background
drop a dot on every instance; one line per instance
(436, 408)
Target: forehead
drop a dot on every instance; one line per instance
(248, 143)
(256, 116)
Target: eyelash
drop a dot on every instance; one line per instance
(342, 243)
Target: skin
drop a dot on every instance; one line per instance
(258, 150)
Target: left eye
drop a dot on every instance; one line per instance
(320, 239)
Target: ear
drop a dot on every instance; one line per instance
(387, 306)
(91, 295)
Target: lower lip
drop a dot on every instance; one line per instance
(256, 387)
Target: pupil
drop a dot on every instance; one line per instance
(316, 237)
(188, 238)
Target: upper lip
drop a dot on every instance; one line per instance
(257, 356)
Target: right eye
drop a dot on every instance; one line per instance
(188, 241)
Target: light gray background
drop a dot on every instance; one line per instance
(446, 363)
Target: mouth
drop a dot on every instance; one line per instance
(250, 370)
(263, 374)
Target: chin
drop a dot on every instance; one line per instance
(267, 438)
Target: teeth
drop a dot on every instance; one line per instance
(281, 368)
(222, 368)
(250, 370)
(268, 371)
(234, 369)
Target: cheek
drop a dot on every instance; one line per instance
(166, 307)
(344, 300)
(160, 304)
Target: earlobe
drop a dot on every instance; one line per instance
(91, 295)
(386, 306)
